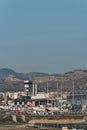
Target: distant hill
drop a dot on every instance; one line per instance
(5, 72)
(14, 81)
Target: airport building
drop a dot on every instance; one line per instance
(32, 95)
(79, 98)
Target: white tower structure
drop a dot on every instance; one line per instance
(26, 85)
(34, 91)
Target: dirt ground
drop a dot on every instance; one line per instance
(60, 121)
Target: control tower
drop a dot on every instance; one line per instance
(27, 84)
(30, 87)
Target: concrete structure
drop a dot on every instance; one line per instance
(80, 98)
(23, 118)
(14, 118)
(34, 91)
(5, 97)
(40, 95)
(16, 95)
(64, 128)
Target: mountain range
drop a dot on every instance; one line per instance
(14, 81)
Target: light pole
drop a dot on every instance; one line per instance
(47, 92)
(61, 97)
(73, 92)
(57, 94)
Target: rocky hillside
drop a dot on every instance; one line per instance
(13, 81)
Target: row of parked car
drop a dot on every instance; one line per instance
(34, 112)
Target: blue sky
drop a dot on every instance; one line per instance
(43, 35)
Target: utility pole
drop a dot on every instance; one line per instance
(61, 97)
(73, 92)
(47, 92)
(57, 94)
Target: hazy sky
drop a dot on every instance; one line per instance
(43, 35)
